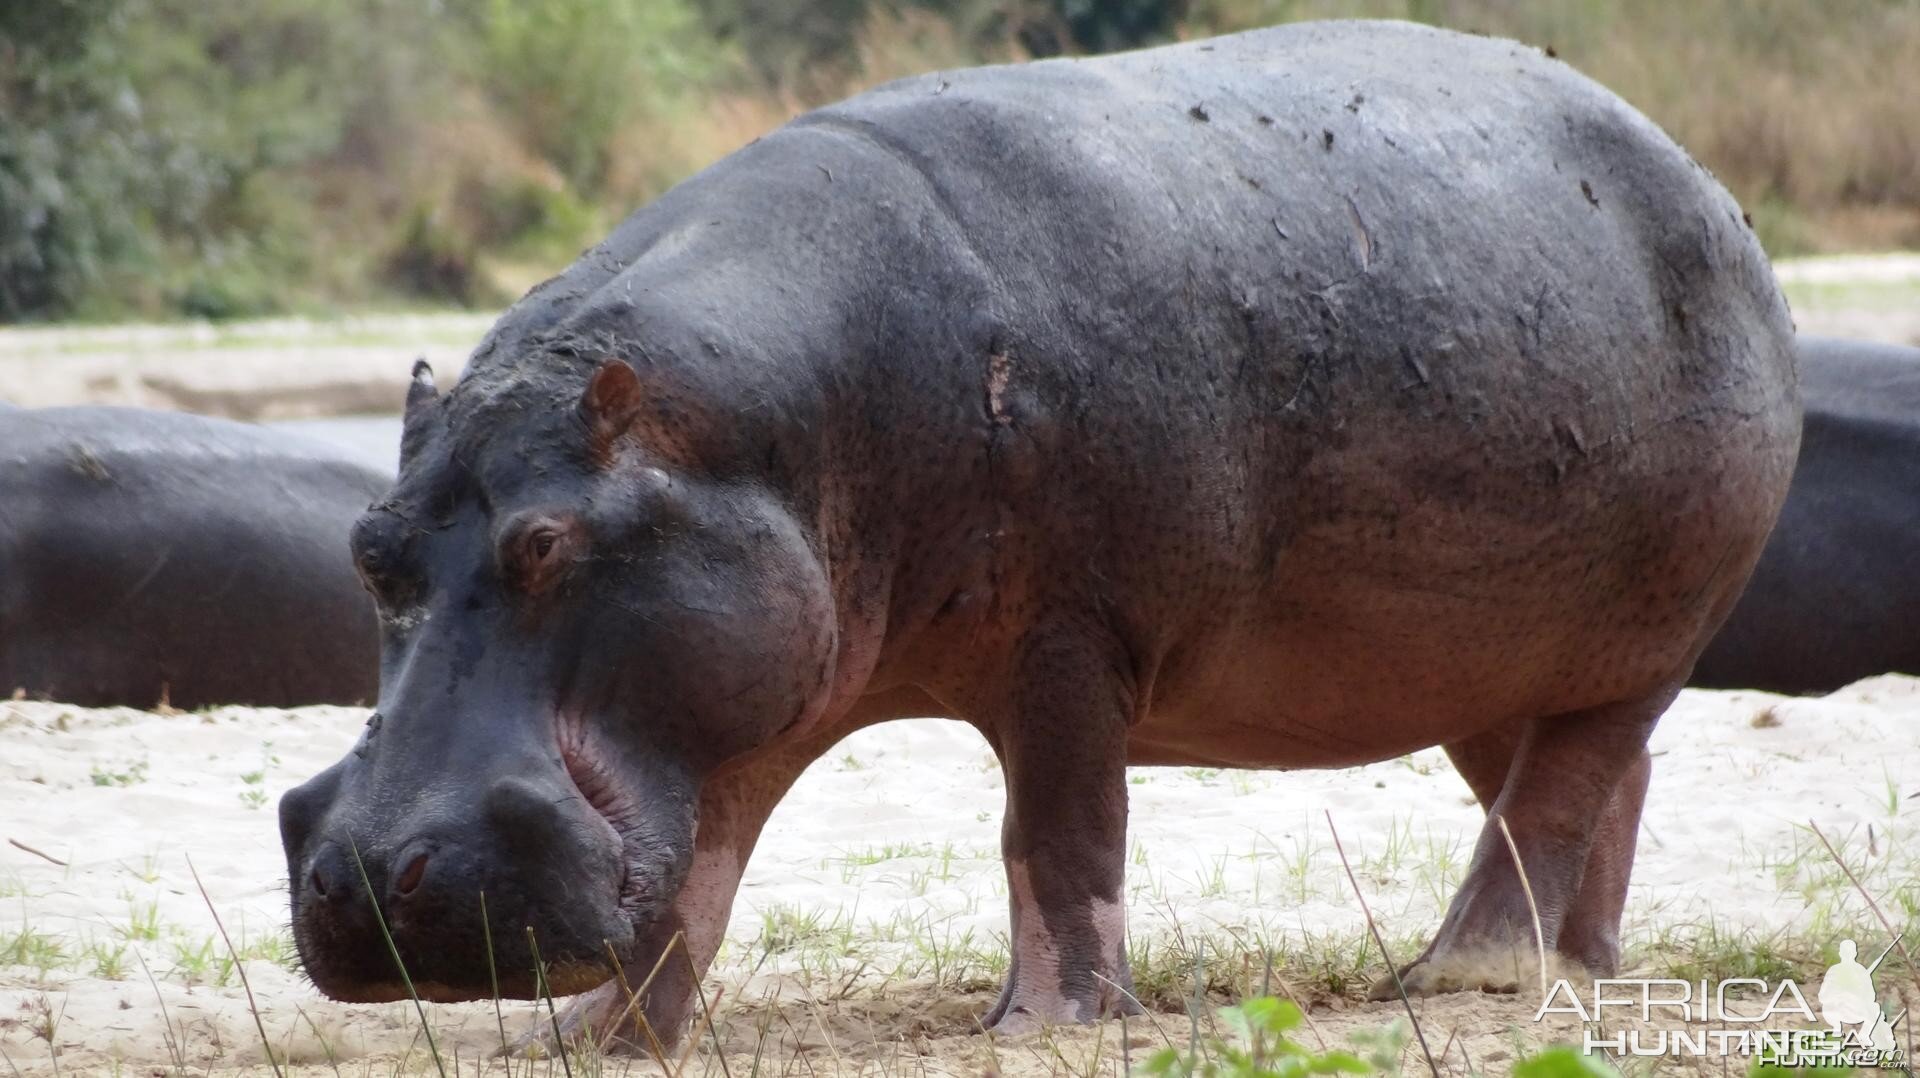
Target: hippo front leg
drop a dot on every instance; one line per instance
(734, 806)
(1062, 746)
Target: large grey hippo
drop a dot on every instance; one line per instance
(149, 556)
(1293, 399)
(1836, 596)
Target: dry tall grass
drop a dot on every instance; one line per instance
(1808, 111)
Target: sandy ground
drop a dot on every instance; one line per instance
(1870, 297)
(283, 369)
(867, 930)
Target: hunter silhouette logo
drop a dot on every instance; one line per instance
(1847, 999)
(1748, 1017)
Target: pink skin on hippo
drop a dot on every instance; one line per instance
(1416, 391)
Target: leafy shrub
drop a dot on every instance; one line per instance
(223, 159)
(570, 73)
(69, 155)
(1255, 1043)
(431, 262)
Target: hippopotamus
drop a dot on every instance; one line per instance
(154, 557)
(1836, 595)
(1292, 399)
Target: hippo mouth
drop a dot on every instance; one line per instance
(604, 788)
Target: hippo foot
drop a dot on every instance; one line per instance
(599, 1018)
(1027, 1008)
(1022, 1019)
(1496, 970)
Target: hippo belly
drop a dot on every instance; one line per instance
(154, 556)
(1290, 399)
(1836, 595)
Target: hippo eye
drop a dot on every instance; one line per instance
(380, 557)
(537, 555)
(379, 576)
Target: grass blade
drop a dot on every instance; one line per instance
(1392, 970)
(493, 978)
(405, 977)
(239, 967)
(633, 1008)
(1526, 888)
(719, 1049)
(540, 986)
(174, 1048)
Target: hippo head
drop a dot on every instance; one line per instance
(582, 616)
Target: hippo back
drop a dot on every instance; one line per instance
(149, 556)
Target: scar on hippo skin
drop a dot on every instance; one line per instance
(999, 369)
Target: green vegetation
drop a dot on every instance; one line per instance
(132, 774)
(172, 157)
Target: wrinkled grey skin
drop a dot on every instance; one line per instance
(149, 556)
(1293, 399)
(1836, 596)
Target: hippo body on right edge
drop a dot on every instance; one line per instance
(1836, 594)
(1294, 399)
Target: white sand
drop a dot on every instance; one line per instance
(1849, 269)
(1724, 838)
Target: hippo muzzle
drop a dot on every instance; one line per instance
(469, 876)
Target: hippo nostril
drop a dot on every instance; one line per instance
(410, 878)
(326, 873)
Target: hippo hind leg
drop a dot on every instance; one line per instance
(1570, 788)
(1590, 932)
(1062, 746)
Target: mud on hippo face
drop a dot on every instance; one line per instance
(574, 632)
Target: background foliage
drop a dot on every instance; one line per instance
(177, 157)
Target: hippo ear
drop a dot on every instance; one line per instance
(609, 406)
(421, 393)
(420, 387)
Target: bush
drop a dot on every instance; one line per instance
(70, 173)
(431, 262)
(571, 73)
(221, 159)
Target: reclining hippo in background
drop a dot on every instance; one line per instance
(1300, 398)
(1836, 596)
(149, 556)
